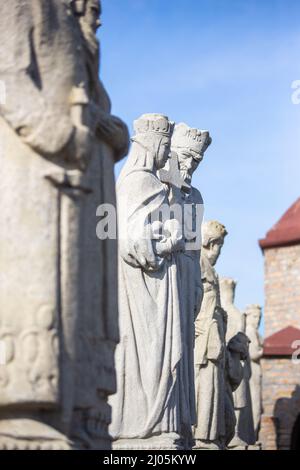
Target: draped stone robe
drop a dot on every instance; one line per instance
(151, 375)
(244, 431)
(256, 353)
(190, 286)
(210, 360)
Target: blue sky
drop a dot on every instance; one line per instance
(226, 66)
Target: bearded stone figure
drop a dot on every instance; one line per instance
(187, 150)
(151, 409)
(253, 318)
(238, 349)
(210, 347)
(189, 146)
(58, 313)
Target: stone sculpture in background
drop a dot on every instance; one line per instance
(253, 318)
(210, 347)
(238, 348)
(58, 312)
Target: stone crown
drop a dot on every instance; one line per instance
(154, 123)
(188, 137)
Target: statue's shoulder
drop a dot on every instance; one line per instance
(196, 196)
(140, 182)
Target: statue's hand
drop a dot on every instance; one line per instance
(145, 255)
(114, 132)
(173, 231)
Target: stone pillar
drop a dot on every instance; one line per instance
(58, 309)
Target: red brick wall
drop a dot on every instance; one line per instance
(282, 288)
(281, 378)
(281, 402)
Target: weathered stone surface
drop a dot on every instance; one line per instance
(188, 145)
(253, 317)
(58, 318)
(154, 406)
(210, 355)
(238, 349)
(149, 357)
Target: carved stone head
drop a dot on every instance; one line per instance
(88, 13)
(90, 10)
(213, 236)
(153, 133)
(92, 14)
(227, 290)
(253, 315)
(190, 145)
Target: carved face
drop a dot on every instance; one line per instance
(254, 317)
(163, 152)
(214, 250)
(92, 14)
(188, 163)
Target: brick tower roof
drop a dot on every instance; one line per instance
(280, 343)
(286, 231)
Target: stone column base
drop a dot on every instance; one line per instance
(207, 445)
(27, 434)
(170, 441)
(256, 446)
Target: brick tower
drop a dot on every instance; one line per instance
(280, 427)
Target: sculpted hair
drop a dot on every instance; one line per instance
(212, 230)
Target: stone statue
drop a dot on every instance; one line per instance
(151, 406)
(58, 312)
(253, 318)
(188, 146)
(210, 346)
(236, 321)
(238, 345)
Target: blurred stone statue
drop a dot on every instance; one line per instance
(253, 318)
(238, 344)
(236, 351)
(210, 347)
(152, 407)
(58, 311)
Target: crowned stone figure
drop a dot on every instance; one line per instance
(253, 318)
(210, 346)
(58, 309)
(187, 150)
(238, 348)
(150, 408)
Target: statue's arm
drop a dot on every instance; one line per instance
(139, 195)
(215, 347)
(40, 126)
(207, 309)
(255, 348)
(110, 128)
